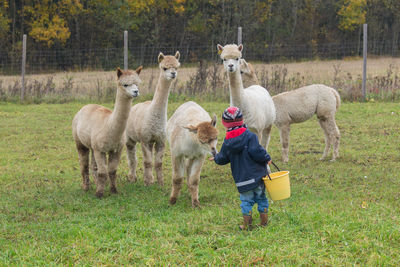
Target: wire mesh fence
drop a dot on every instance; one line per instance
(44, 61)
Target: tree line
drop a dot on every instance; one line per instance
(94, 24)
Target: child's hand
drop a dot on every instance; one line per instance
(269, 162)
(211, 159)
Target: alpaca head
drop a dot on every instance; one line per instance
(206, 134)
(169, 65)
(128, 81)
(231, 55)
(245, 68)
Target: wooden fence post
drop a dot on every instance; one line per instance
(125, 50)
(239, 35)
(23, 68)
(365, 47)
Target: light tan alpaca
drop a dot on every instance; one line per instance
(300, 105)
(248, 74)
(191, 134)
(147, 123)
(255, 101)
(101, 130)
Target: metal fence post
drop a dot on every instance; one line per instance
(364, 79)
(239, 35)
(23, 67)
(125, 50)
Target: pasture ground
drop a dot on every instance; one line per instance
(341, 213)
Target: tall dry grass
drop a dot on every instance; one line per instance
(209, 81)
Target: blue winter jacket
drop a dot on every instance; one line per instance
(248, 160)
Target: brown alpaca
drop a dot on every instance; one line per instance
(191, 135)
(147, 123)
(101, 131)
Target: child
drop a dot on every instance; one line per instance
(248, 164)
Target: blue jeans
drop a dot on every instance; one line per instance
(249, 198)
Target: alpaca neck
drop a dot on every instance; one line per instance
(236, 88)
(160, 100)
(119, 117)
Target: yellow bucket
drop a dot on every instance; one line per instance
(278, 186)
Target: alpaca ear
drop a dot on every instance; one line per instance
(220, 48)
(214, 120)
(240, 47)
(138, 70)
(177, 55)
(119, 72)
(160, 57)
(244, 67)
(191, 128)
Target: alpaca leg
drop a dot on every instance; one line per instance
(325, 127)
(93, 166)
(83, 153)
(132, 160)
(178, 171)
(113, 161)
(101, 161)
(194, 178)
(266, 137)
(147, 149)
(159, 151)
(332, 135)
(336, 141)
(284, 132)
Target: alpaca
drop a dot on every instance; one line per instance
(147, 123)
(191, 134)
(101, 131)
(300, 105)
(249, 76)
(255, 102)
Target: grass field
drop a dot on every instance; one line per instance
(341, 213)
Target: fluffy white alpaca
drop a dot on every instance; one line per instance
(191, 134)
(255, 101)
(300, 105)
(147, 123)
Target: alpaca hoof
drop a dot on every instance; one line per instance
(114, 190)
(161, 183)
(132, 178)
(99, 194)
(332, 160)
(196, 204)
(148, 183)
(85, 187)
(172, 200)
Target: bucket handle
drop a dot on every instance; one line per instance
(275, 167)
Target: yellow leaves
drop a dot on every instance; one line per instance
(50, 30)
(139, 6)
(48, 20)
(352, 14)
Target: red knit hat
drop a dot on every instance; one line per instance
(232, 117)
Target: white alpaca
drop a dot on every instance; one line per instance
(191, 134)
(147, 123)
(300, 105)
(255, 101)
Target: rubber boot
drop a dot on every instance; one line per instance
(247, 223)
(263, 219)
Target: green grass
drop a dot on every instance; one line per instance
(341, 213)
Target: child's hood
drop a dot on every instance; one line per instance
(238, 143)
